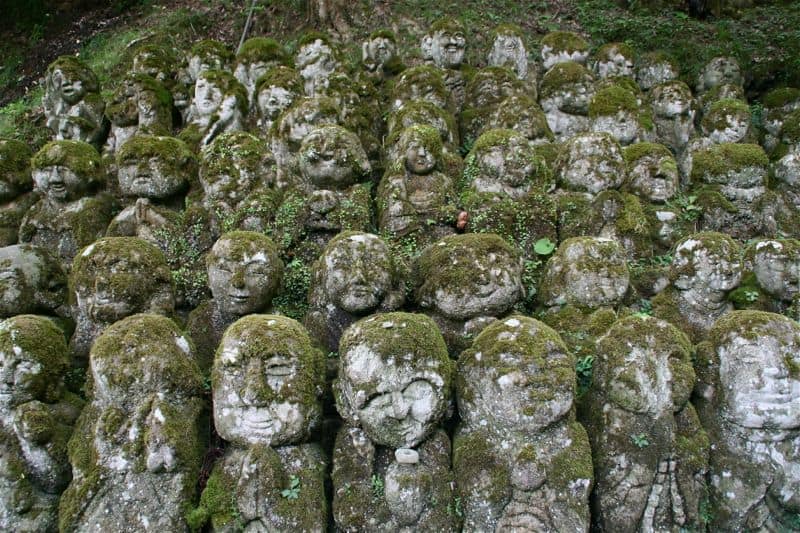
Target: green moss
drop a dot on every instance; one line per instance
(562, 75)
(231, 154)
(656, 57)
(507, 29)
(217, 503)
(423, 76)
(79, 157)
(719, 159)
(228, 85)
(170, 151)
(75, 69)
(210, 50)
(780, 97)
(479, 470)
(499, 77)
(565, 41)
(748, 295)
(608, 50)
(264, 49)
(574, 463)
(632, 153)
(419, 112)
(384, 33)
(43, 343)
(154, 59)
(15, 163)
(311, 36)
(427, 136)
(716, 118)
(790, 133)
(611, 100)
(283, 77)
(449, 25)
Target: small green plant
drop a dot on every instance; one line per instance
(454, 508)
(640, 440)
(750, 296)
(544, 246)
(583, 372)
(293, 492)
(645, 307)
(689, 210)
(377, 486)
(706, 514)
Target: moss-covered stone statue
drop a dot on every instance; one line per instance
(563, 46)
(654, 68)
(564, 95)
(591, 162)
(153, 175)
(235, 168)
(138, 445)
(415, 197)
(206, 55)
(705, 268)
(779, 104)
(111, 279)
(485, 90)
(652, 172)
(614, 110)
(354, 277)
(521, 461)
(589, 272)
(16, 184)
(140, 105)
(736, 195)
(72, 103)
(426, 114)
(444, 46)
(423, 83)
(67, 217)
(719, 71)
(255, 58)
(317, 58)
(379, 55)
(219, 106)
(613, 59)
(274, 92)
(650, 452)
(521, 114)
(391, 463)
(775, 268)
(36, 419)
(266, 383)
(749, 402)
(509, 50)
(31, 281)
(727, 121)
(244, 273)
(465, 282)
(329, 194)
(673, 114)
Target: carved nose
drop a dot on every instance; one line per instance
(399, 406)
(238, 279)
(253, 381)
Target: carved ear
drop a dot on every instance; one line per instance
(426, 45)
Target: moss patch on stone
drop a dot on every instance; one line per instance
(565, 41)
(79, 157)
(719, 159)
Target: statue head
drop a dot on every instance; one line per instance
(776, 265)
(652, 172)
(591, 162)
(508, 50)
(708, 263)
(719, 71)
(31, 281)
(154, 167)
(445, 43)
(70, 79)
(613, 59)
(332, 157)
(276, 90)
(233, 166)
(507, 164)
(379, 49)
(64, 171)
(208, 55)
(420, 149)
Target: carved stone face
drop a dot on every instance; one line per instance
(506, 166)
(715, 264)
(419, 84)
(393, 389)
(447, 48)
(468, 281)
(380, 50)
(654, 176)
(265, 382)
(624, 126)
(332, 157)
(776, 265)
(720, 71)
(356, 272)
(419, 159)
(758, 371)
(119, 276)
(587, 271)
(207, 97)
(516, 377)
(671, 99)
(22, 278)
(613, 63)
(315, 62)
(591, 162)
(151, 177)
(508, 50)
(244, 272)
(70, 89)
(59, 183)
(272, 100)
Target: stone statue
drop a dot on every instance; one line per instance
(355, 276)
(138, 445)
(31, 281)
(564, 95)
(391, 465)
(465, 282)
(508, 50)
(379, 55)
(140, 105)
(650, 452)
(208, 54)
(266, 385)
(673, 114)
(776, 266)
(244, 274)
(591, 163)
(614, 110)
(613, 59)
(316, 60)
(111, 279)
(654, 68)
(422, 83)
(705, 268)
(563, 46)
(254, 59)
(67, 217)
(727, 121)
(219, 106)
(585, 271)
(15, 188)
(652, 172)
(749, 402)
(521, 461)
(72, 103)
(719, 71)
(444, 46)
(275, 91)
(521, 114)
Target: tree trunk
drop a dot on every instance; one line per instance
(330, 15)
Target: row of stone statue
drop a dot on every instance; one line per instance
(518, 459)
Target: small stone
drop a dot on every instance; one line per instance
(406, 456)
